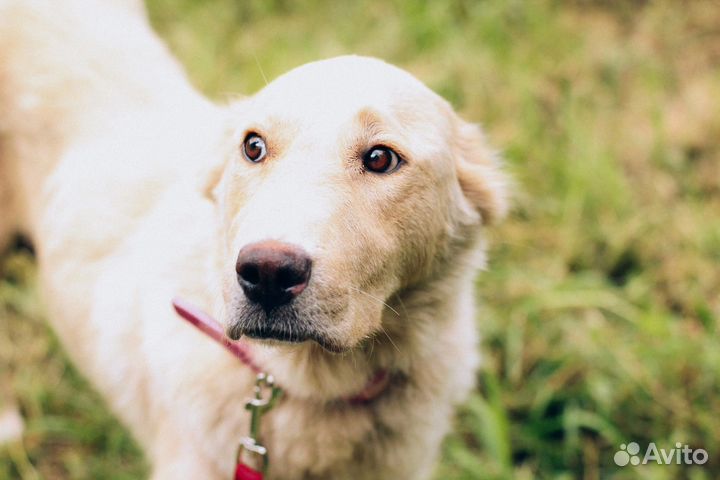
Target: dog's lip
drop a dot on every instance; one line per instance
(273, 334)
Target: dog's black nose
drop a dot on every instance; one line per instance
(272, 273)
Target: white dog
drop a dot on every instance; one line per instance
(332, 221)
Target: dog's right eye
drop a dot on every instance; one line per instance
(254, 148)
(380, 159)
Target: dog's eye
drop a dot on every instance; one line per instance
(254, 148)
(381, 159)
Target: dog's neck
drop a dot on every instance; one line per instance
(418, 328)
(374, 387)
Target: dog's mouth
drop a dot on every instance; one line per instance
(280, 336)
(284, 325)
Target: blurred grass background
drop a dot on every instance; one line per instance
(602, 299)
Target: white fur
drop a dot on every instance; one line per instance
(134, 191)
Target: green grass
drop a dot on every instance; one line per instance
(602, 298)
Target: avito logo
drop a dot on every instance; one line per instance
(680, 455)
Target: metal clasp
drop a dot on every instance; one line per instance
(265, 394)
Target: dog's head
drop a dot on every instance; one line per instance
(349, 181)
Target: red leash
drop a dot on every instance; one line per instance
(249, 445)
(206, 324)
(243, 472)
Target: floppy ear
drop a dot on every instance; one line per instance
(213, 170)
(210, 180)
(225, 146)
(480, 173)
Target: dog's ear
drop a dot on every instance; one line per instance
(213, 170)
(210, 180)
(480, 173)
(225, 148)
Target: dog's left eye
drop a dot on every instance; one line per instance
(254, 148)
(381, 159)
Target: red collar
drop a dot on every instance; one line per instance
(210, 327)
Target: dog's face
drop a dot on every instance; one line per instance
(349, 181)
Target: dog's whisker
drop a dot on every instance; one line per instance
(261, 69)
(389, 338)
(376, 299)
(402, 304)
(372, 347)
